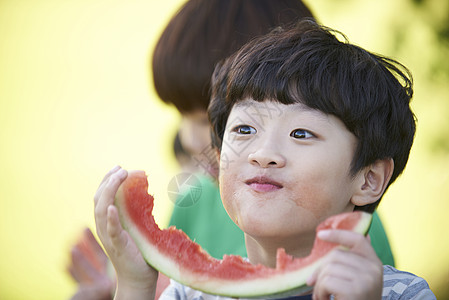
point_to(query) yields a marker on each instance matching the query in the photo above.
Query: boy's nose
(267, 158)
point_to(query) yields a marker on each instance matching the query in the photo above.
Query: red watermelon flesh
(172, 252)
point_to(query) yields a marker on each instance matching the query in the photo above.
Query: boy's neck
(263, 250)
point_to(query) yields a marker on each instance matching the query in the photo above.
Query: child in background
(335, 133)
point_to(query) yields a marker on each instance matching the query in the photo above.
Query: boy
(305, 127)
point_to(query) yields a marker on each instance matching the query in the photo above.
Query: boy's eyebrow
(245, 103)
(262, 105)
(249, 102)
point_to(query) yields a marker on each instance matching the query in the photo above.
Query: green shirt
(207, 223)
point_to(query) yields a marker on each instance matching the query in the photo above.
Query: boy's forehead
(273, 106)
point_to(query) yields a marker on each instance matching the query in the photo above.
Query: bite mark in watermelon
(173, 253)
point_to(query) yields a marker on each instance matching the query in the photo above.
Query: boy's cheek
(227, 190)
(230, 159)
(312, 201)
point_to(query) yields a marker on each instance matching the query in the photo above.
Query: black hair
(308, 64)
(202, 33)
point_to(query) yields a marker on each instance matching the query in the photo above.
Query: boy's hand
(355, 273)
(135, 278)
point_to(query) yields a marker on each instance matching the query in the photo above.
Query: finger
(115, 230)
(341, 258)
(107, 198)
(109, 173)
(89, 253)
(312, 279)
(349, 239)
(112, 184)
(359, 273)
(336, 263)
(328, 286)
(93, 292)
(81, 269)
(75, 275)
(104, 181)
(73, 268)
(342, 264)
(333, 275)
(96, 250)
(346, 282)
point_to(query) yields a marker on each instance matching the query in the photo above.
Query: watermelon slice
(172, 252)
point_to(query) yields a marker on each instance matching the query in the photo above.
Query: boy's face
(285, 168)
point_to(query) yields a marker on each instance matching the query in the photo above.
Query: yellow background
(76, 99)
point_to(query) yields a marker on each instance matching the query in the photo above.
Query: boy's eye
(301, 134)
(244, 129)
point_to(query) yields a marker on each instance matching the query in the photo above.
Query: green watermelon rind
(282, 284)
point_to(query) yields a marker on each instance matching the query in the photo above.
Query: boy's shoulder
(404, 285)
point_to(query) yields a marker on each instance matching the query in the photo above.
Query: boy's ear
(373, 182)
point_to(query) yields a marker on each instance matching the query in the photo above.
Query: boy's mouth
(263, 184)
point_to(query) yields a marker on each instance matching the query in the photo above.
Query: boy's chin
(277, 228)
(275, 216)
